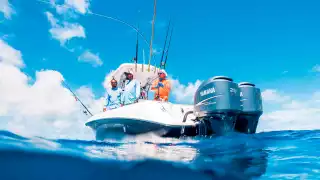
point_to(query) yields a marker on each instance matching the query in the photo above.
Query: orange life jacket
(161, 92)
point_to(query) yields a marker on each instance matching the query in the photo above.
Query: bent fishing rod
(76, 97)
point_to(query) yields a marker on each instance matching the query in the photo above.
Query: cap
(130, 71)
(113, 80)
(162, 71)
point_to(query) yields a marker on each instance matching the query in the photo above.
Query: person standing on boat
(161, 87)
(113, 96)
(131, 90)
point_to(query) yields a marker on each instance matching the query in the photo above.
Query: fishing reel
(157, 97)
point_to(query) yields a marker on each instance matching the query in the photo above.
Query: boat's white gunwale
(137, 119)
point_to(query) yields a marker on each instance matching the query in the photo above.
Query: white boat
(220, 106)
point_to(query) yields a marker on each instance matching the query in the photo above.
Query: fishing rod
(137, 50)
(116, 19)
(164, 47)
(76, 97)
(121, 21)
(165, 62)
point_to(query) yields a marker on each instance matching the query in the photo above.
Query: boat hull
(108, 127)
(163, 119)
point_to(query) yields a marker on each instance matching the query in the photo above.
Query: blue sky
(274, 44)
(253, 41)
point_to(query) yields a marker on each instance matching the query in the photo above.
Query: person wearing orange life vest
(161, 87)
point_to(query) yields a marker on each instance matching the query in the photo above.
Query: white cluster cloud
(64, 31)
(41, 106)
(89, 57)
(6, 8)
(272, 95)
(77, 6)
(293, 114)
(11, 56)
(81, 6)
(184, 93)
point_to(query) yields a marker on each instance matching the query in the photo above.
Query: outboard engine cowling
(251, 108)
(217, 105)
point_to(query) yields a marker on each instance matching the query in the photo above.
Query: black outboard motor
(251, 106)
(217, 105)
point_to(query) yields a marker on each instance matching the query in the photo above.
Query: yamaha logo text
(207, 91)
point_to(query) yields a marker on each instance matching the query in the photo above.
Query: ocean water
(269, 155)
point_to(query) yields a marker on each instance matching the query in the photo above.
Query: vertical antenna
(144, 58)
(154, 17)
(142, 65)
